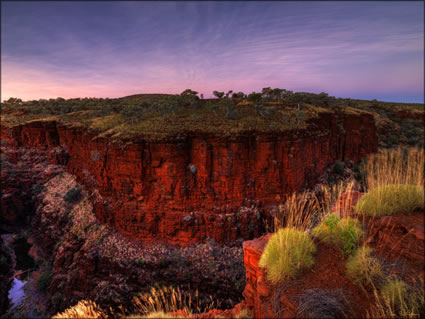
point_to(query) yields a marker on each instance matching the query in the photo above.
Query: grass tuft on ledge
(287, 252)
(391, 199)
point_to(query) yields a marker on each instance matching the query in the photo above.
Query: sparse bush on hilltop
(286, 253)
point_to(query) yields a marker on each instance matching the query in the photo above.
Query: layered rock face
(187, 189)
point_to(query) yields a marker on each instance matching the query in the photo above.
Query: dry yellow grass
(168, 299)
(396, 299)
(83, 309)
(403, 166)
(395, 182)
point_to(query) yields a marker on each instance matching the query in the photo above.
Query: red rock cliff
(188, 189)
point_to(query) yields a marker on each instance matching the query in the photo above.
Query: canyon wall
(398, 240)
(187, 189)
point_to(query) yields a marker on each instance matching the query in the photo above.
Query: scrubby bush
(391, 199)
(135, 113)
(345, 233)
(363, 268)
(43, 280)
(37, 189)
(73, 195)
(4, 265)
(287, 252)
(339, 168)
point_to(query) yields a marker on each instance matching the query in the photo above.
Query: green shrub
(73, 195)
(43, 280)
(391, 199)
(4, 265)
(339, 168)
(345, 233)
(37, 189)
(362, 267)
(288, 251)
(38, 262)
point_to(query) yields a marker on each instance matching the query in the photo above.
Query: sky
(365, 50)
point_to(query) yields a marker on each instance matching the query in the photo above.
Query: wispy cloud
(114, 49)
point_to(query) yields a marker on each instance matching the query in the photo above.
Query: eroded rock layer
(187, 189)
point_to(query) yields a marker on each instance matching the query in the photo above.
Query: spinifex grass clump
(345, 233)
(391, 199)
(395, 180)
(397, 299)
(362, 268)
(83, 309)
(155, 315)
(287, 252)
(169, 299)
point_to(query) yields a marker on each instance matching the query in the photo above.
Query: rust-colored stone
(168, 190)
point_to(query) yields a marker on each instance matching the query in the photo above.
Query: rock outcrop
(399, 239)
(399, 236)
(188, 189)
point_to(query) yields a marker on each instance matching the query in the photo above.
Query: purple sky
(361, 50)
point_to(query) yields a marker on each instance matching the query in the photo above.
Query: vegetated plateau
(156, 205)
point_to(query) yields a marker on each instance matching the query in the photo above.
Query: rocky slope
(188, 189)
(85, 259)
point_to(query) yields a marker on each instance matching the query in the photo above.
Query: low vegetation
(345, 233)
(402, 165)
(168, 299)
(298, 211)
(391, 199)
(287, 252)
(395, 182)
(397, 299)
(83, 309)
(160, 116)
(362, 268)
(43, 280)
